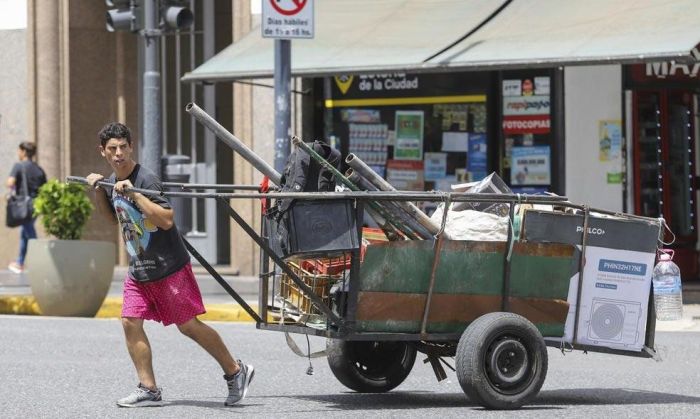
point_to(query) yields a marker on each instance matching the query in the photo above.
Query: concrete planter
(70, 277)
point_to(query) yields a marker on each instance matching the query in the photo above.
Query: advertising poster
(542, 86)
(610, 140)
(455, 141)
(526, 106)
(526, 115)
(365, 116)
(610, 148)
(512, 88)
(530, 166)
(405, 175)
(409, 135)
(435, 166)
(476, 156)
(478, 117)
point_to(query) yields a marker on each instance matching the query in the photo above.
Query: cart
(493, 306)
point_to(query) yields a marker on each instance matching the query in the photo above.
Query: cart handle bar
(185, 186)
(360, 195)
(379, 196)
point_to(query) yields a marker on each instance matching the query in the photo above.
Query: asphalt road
(70, 368)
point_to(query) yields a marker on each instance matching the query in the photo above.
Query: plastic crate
(319, 284)
(332, 266)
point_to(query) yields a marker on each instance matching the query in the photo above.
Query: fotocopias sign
(287, 19)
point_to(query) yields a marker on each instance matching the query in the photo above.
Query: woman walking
(25, 170)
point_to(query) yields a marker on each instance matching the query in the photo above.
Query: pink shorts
(173, 299)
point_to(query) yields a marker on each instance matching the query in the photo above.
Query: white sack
(473, 225)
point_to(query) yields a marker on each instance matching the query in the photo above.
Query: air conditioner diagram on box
(614, 321)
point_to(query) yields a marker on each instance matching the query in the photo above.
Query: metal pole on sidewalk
(283, 77)
(150, 146)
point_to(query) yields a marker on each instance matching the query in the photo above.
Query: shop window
(420, 132)
(526, 150)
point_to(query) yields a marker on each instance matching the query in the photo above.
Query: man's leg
(139, 350)
(210, 340)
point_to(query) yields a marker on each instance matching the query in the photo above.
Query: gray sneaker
(142, 397)
(238, 385)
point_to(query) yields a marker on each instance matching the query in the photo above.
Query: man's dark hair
(114, 130)
(29, 148)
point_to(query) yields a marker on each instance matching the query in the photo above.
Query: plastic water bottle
(668, 298)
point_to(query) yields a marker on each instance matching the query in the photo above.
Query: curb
(112, 306)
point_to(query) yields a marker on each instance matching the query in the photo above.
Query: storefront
(664, 129)
(430, 131)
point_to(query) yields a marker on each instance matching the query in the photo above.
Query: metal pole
(178, 93)
(384, 196)
(283, 77)
(151, 145)
(370, 175)
(230, 140)
(164, 86)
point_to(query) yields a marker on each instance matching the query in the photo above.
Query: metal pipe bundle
(370, 175)
(391, 207)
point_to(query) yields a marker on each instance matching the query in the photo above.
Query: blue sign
(621, 267)
(476, 156)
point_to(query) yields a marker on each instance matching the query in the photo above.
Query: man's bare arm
(101, 199)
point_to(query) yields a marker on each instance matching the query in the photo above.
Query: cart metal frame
(341, 326)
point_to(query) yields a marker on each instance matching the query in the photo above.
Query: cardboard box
(619, 261)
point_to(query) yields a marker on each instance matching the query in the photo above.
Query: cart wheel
(370, 367)
(501, 361)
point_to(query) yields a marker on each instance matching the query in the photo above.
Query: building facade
(584, 131)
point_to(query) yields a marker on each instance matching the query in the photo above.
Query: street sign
(287, 19)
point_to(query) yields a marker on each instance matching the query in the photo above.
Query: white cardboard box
(619, 261)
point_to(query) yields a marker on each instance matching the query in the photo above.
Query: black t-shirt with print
(153, 253)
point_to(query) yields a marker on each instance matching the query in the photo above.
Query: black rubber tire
(501, 361)
(370, 367)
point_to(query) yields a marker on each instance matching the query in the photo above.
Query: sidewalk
(16, 295)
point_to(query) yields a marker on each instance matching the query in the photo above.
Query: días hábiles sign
(287, 19)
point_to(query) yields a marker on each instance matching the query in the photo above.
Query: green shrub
(64, 209)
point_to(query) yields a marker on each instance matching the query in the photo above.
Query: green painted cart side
(395, 278)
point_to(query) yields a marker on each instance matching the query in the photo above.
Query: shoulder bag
(20, 207)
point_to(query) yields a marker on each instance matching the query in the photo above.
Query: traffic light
(175, 14)
(127, 15)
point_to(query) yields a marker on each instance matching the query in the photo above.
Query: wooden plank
(387, 306)
(553, 330)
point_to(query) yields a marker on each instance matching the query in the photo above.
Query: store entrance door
(664, 167)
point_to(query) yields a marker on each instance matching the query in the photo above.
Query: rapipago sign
(287, 19)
